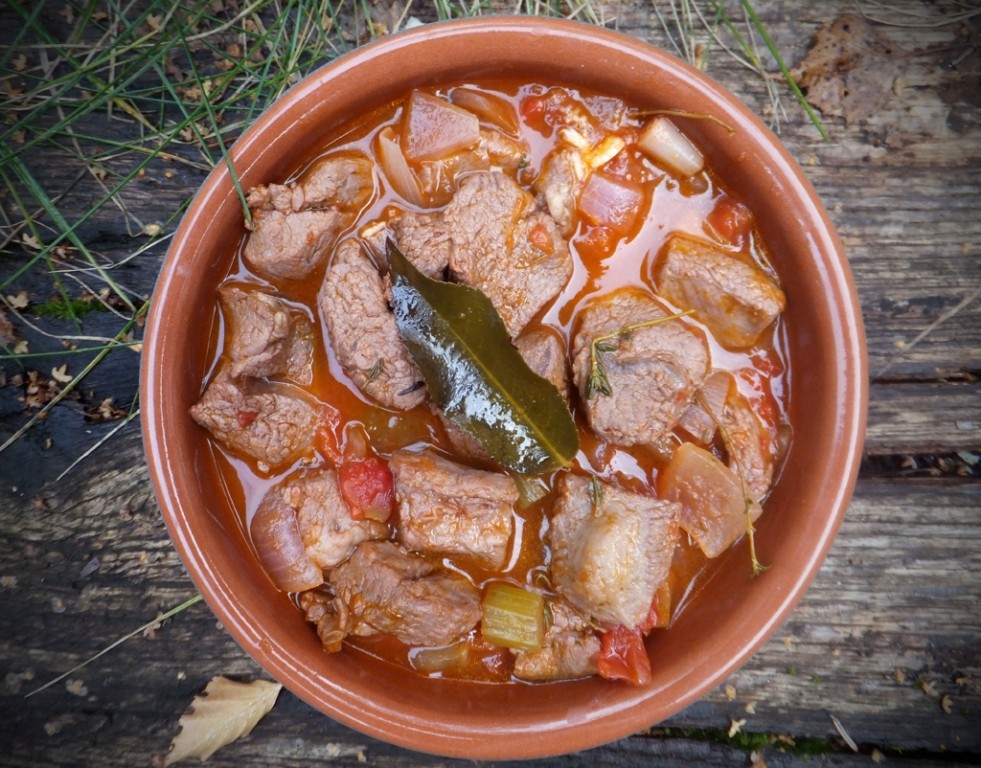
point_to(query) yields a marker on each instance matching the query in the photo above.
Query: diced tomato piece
(245, 418)
(623, 656)
(557, 108)
(540, 238)
(763, 402)
(730, 220)
(328, 437)
(596, 243)
(368, 488)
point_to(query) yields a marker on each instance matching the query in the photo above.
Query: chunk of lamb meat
(497, 240)
(652, 371)
(363, 333)
(303, 527)
(749, 447)
(295, 225)
(272, 423)
(571, 648)
(267, 337)
(736, 300)
(383, 589)
(544, 351)
(447, 508)
(611, 548)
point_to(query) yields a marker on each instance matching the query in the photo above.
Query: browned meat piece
(295, 225)
(447, 508)
(736, 300)
(610, 548)
(653, 371)
(329, 614)
(328, 532)
(506, 247)
(428, 247)
(266, 337)
(272, 423)
(748, 445)
(384, 589)
(570, 650)
(544, 351)
(559, 183)
(503, 152)
(495, 239)
(363, 333)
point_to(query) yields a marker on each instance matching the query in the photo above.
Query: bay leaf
(474, 374)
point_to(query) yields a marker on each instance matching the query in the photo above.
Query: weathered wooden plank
(924, 417)
(898, 592)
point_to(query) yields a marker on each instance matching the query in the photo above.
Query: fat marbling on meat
(736, 300)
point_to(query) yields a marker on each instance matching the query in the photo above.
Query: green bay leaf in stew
(476, 377)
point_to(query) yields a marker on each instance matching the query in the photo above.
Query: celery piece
(440, 659)
(513, 617)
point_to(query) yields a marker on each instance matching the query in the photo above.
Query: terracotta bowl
(731, 617)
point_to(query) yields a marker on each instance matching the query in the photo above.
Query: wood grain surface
(887, 642)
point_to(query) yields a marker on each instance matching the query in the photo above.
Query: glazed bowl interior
(731, 615)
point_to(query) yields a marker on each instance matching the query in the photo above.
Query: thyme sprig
(597, 380)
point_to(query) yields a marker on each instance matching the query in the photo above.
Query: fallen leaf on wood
(851, 70)
(61, 374)
(225, 712)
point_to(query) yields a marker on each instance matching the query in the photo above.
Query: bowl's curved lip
(638, 711)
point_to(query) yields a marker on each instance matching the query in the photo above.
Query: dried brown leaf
(20, 301)
(227, 711)
(850, 70)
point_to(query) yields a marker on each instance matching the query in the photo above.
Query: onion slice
(662, 141)
(276, 536)
(433, 128)
(489, 108)
(611, 202)
(396, 168)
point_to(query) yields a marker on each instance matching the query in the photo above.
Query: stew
(497, 375)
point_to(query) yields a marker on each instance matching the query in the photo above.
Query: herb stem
(597, 380)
